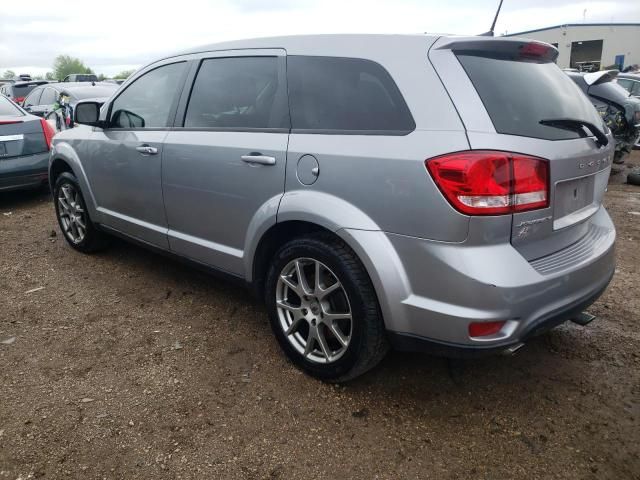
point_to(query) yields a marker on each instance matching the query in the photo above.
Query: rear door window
(238, 93)
(48, 97)
(519, 93)
(345, 95)
(624, 83)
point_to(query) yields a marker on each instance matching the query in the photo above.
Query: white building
(591, 45)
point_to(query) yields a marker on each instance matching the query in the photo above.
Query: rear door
(224, 162)
(512, 97)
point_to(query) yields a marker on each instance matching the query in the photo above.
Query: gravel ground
(129, 365)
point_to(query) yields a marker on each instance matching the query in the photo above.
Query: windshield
(518, 94)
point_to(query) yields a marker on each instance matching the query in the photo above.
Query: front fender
(65, 152)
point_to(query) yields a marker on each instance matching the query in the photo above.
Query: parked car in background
(620, 110)
(25, 141)
(630, 82)
(81, 77)
(45, 99)
(297, 165)
(18, 90)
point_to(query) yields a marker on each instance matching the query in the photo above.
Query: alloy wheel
(314, 310)
(72, 214)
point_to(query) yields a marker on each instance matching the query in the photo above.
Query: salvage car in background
(630, 82)
(44, 99)
(618, 108)
(81, 77)
(18, 91)
(25, 141)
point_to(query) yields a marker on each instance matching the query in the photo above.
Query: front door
(225, 164)
(124, 160)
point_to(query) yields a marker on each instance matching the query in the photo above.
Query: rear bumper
(430, 292)
(24, 172)
(415, 343)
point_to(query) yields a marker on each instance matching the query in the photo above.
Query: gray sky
(113, 35)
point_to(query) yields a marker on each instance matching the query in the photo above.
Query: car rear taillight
(19, 100)
(534, 50)
(48, 132)
(484, 329)
(485, 182)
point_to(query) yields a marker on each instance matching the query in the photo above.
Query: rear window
(610, 91)
(345, 95)
(519, 94)
(23, 90)
(8, 108)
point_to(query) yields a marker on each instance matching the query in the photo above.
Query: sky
(115, 35)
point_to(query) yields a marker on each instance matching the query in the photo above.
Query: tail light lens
(480, 182)
(19, 100)
(484, 329)
(48, 132)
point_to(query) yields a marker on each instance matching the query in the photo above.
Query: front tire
(73, 218)
(323, 309)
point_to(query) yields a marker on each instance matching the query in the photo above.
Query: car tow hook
(583, 319)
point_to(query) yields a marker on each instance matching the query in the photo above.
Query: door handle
(147, 150)
(258, 159)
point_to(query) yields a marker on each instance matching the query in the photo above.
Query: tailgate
(512, 97)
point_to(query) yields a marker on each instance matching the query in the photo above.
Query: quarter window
(345, 94)
(148, 101)
(238, 93)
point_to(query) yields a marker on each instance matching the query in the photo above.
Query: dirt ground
(130, 365)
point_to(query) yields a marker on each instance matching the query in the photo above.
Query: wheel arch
(297, 212)
(64, 159)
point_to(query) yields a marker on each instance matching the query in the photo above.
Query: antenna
(493, 25)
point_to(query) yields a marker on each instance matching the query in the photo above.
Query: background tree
(49, 76)
(8, 74)
(102, 77)
(124, 74)
(65, 65)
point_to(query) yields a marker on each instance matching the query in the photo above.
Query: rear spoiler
(31, 83)
(511, 46)
(596, 78)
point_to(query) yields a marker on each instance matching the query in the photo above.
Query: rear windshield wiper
(577, 126)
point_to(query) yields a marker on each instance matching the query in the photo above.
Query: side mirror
(88, 113)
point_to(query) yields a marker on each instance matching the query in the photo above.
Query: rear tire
(633, 177)
(73, 217)
(334, 336)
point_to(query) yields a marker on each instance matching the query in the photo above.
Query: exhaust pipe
(510, 351)
(583, 319)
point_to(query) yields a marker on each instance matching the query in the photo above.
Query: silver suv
(420, 192)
